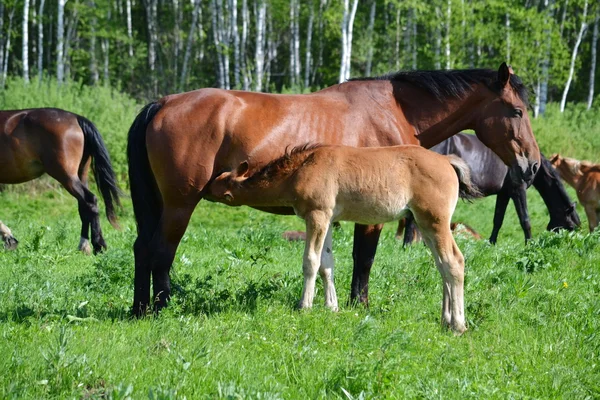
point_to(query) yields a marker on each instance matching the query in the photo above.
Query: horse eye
(518, 113)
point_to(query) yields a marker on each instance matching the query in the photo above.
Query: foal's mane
(455, 83)
(283, 166)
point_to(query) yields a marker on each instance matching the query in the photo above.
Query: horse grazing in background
(491, 176)
(584, 177)
(366, 186)
(63, 145)
(177, 145)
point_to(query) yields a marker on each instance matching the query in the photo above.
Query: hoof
(10, 243)
(84, 246)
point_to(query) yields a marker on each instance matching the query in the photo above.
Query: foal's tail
(466, 189)
(147, 203)
(101, 167)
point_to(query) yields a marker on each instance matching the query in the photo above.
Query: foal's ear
(554, 157)
(504, 73)
(242, 169)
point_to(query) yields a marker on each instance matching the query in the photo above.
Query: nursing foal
(373, 185)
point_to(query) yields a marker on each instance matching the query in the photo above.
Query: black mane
(452, 83)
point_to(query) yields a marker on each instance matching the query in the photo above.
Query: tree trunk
(40, 55)
(71, 30)
(260, 8)
(2, 36)
(188, 46)
(25, 41)
(151, 16)
(347, 28)
(507, 25)
(129, 29)
(582, 29)
(545, 63)
(60, 42)
(243, 60)
(593, 58)
(448, 19)
(564, 17)
(93, 63)
(438, 40)
(294, 43)
(308, 56)
(370, 40)
(7, 47)
(236, 44)
(105, 52)
(319, 62)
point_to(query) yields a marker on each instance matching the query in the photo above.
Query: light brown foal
(10, 243)
(584, 177)
(324, 184)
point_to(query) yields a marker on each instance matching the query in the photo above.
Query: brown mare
(63, 145)
(584, 177)
(367, 186)
(177, 145)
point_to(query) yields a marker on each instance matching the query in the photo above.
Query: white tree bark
(60, 41)
(247, 77)
(545, 62)
(1, 36)
(236, 43)
(260, 8)
(151, 17)
(347, 28)
(188, 46)
(448, 20)
(40, 45)
(593, 58)
(294, 44)
(7, 47)
(582, 30)
(308, 55)
(370, 30)
(25, 41)
(129, 28)
(105, 52)
(507, 25)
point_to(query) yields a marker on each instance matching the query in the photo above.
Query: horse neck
(568, 176)
(436, 120)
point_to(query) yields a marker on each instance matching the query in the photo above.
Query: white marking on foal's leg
(10, 242)
(326, 272)
(84, 246)
(317, 223)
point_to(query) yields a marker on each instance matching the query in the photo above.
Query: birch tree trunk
(129, 29)
(308, 56)
(71, 30)
(93, 63)
(60, 42)
(236, 44)
(243, 61)
(40, 55)
(582, 29)
(105, 52)
(507, 25)
(545, 63)
(347, 28)
(188, 46)
(294, 44)
(7, 47)
(151, 16)
(25, 41)
(1, 37)
(370, 30)
(448, 20)
(593, 58)
(260, 8)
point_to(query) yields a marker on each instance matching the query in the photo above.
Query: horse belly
(369, 210)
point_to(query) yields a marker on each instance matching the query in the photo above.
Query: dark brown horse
(492, 177)
(63, 145)
(177, 145)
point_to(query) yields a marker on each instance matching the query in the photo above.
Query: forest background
(149, 48)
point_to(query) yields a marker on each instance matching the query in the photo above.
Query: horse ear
(242, 169)
(504, 73)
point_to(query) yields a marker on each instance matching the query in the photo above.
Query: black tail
(147, 204)
(101, 167)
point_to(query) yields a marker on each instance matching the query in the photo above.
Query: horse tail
(101, 168)
(147, 203)
(466, 188)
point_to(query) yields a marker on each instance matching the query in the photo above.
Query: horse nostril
(534, 168)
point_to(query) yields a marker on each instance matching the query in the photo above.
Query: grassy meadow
(232, 330)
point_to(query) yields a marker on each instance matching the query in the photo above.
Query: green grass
(232, 331)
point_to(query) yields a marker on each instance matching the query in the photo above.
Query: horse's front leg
(366, 238)
(317, 224)
(519, 198)
(10, 242)
(326, 271)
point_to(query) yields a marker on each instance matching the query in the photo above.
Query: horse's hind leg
(366, 238)
(451, 265)
(162, 248)
(326, 271)
(10, 242)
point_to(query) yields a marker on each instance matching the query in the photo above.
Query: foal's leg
(366, 238)
(10, 243)
(326, 271)
(591, 213)
(451, 264)
(317, 224)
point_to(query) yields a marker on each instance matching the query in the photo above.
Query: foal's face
(503, 125)
(224, 186)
